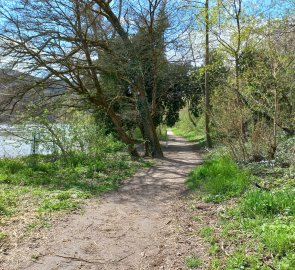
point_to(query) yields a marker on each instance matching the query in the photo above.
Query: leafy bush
(220, 178)
(267, 204)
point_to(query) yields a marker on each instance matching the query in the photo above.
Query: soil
(146, 224)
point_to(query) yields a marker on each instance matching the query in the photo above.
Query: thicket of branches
(135, 64)
(110, 56)
(251, 75)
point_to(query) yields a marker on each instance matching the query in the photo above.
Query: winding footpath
(141, 226)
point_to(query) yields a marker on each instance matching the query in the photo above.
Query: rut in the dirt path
(134, 228)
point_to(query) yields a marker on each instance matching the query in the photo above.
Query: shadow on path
(123, 230)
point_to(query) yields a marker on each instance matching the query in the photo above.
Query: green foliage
(217, 73)
(9, 198)
(192, 262)
(278, 236)
(61, 201)
(268, 218)
(268, 204)
(206, 232)
(220, 178)
(286, 263)
(240, 260)
(265, 219)
(92, 172)
(189, 127)
(90, 163)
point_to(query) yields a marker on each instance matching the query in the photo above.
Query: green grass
(268, 204)
(38, 185)
(192, 262)
(189, 135)
(207, 232)
(185, 128)
(10, 197)
(239, 259)
(278, 236)
(259, 227)
(65, 181)
(270, 216)
(219, 178)
(92, 173)
(267, 220)
(2, 236)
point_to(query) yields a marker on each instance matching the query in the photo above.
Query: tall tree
(207, 90)
(67, 39)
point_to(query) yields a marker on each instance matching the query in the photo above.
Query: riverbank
(140, 226)
(37, 188)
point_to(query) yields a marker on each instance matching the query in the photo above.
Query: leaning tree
(67, 40)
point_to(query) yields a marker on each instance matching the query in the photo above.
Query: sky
(281, 6)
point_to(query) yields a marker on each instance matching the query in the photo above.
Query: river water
(16, 141)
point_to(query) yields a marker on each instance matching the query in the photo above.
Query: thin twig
(77, 259)
(123, 258)
(270, 266)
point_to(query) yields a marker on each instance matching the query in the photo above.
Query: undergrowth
(257, 229)
(219, 178)
(43, 184)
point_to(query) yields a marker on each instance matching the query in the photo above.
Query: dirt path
(142, 226)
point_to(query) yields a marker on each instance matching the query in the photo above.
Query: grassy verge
(189, 135)
(32, 188)
(188, 130)
(219, 178)
(256, 223)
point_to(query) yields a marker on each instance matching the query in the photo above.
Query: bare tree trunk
(121, 132)
(191, 119)
(273, 146)
(207, 90)
(146, 144)
(148, 124)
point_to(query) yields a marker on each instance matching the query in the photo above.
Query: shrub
(220, 177)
